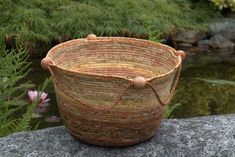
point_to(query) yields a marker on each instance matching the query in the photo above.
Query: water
(38, 76)
(197, 98)
(201, 98)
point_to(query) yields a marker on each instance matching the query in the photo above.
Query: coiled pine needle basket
(112, 91)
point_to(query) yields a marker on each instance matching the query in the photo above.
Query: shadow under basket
(112, 91)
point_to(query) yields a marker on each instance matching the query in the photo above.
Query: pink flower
(42, 97)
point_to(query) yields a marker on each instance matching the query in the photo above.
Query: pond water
(199, 98)
(196, 98)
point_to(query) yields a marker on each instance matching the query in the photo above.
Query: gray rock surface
(231, 15)
(204, 44)
(184, 45)
(220, 42)
(189, 36)
(217, 42)
(195, 137)
(224, 27)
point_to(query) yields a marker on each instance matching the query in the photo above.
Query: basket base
(110, 142)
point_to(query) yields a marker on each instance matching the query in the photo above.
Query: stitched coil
(112, 91)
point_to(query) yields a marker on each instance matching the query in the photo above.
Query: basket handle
(182, 54)
(138, 82)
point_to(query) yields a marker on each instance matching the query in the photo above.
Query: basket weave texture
(112, 91)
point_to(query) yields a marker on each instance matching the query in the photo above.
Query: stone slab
(194, 137)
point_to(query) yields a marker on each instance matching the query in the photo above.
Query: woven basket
(112, 91)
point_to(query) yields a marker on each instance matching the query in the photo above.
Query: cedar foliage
(33, 21)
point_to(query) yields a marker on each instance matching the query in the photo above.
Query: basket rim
(85, 40)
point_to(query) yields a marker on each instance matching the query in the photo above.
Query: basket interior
(115, 57)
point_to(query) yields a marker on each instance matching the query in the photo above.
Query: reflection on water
(201, 98)
(197, 98)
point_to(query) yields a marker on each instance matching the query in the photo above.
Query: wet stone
(217, 42)
(189, 36)
(201, 136)
(224, 27)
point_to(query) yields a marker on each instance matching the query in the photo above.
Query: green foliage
(27, 24)
(24, 121)
(222, 4)
(13, 68)
(152, 32)
(170, 109)
(33, 21)
(75, 20)
(217, 81)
